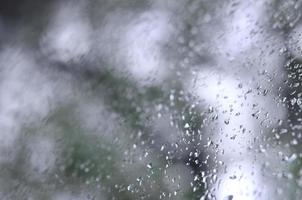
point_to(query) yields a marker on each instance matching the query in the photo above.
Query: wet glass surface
(150, 99)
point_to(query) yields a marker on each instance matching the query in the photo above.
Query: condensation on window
(150, 99)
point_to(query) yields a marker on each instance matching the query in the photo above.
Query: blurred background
(150, 99)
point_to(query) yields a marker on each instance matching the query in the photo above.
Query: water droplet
(187, 125)
(229, 197)
(149, 166)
